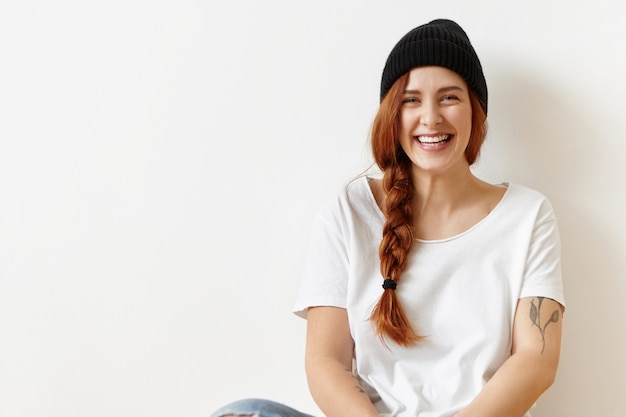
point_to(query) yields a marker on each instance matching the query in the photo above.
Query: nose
(431, 114)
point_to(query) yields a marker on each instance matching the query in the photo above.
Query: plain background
(161, 163)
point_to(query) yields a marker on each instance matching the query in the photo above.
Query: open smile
(433, 141)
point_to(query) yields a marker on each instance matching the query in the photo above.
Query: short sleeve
(542, 277)
(325, 275)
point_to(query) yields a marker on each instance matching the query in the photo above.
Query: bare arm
(531, 369)
(328, 361)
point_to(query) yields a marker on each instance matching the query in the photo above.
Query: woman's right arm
(328, 362)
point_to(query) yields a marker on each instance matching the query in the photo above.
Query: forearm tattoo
(357, 386)
(535, 318)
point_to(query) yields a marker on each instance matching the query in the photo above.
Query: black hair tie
(389, 283)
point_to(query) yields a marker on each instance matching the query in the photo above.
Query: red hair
(388, 315)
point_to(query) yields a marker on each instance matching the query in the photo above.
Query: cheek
(463, 123)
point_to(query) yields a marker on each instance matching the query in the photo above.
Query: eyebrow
(441, 90)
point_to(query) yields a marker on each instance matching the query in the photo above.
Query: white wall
(161, 161)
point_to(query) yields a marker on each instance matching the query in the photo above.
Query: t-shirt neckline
(381, 215)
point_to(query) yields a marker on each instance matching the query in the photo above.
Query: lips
(433, 140)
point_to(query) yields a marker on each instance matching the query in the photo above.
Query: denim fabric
(258, 408)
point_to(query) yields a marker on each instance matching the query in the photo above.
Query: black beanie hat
(442, 43)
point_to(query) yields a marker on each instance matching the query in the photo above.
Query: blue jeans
(258, 408)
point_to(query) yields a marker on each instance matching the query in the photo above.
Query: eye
(449, 97)
(410, 100)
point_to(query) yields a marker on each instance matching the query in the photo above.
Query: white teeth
(432, 139)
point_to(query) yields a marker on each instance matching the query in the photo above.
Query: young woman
(468, 319)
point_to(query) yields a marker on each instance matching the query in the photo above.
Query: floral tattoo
(535, 318)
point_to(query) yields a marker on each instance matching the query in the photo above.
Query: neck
(443, 193)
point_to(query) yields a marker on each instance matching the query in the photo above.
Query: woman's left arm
(531, 369)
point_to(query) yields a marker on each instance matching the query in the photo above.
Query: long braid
(397, 239)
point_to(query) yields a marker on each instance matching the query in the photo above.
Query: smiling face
(435, 120)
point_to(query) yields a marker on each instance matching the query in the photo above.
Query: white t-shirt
(461, 293)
